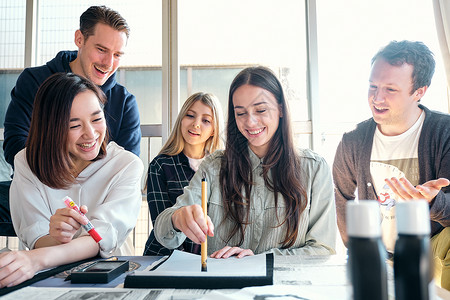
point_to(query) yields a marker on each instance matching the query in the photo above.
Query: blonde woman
(196, 133)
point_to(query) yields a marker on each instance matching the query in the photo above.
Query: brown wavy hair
(47, 150)
(281, 160)
(104, 15)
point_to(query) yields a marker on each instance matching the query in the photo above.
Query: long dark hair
(281, 159)
(47, 150)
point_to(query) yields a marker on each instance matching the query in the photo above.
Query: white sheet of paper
(187, 264)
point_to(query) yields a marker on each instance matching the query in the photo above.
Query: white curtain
(442, 18)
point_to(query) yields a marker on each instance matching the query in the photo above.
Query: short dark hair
(47, 150)
(105, 15)
(412, 53)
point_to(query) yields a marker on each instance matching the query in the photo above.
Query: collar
(254, 159)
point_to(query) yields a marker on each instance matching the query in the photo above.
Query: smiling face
(393, 106)
(87, 129)
(99, 55)
(197, 126)
(257, 114)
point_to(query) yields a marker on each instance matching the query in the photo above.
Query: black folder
(172, 280)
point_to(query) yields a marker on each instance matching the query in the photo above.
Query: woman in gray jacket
(264, 195)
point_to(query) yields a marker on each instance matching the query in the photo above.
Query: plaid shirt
(167, 176)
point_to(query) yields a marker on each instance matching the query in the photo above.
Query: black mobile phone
(100, 271)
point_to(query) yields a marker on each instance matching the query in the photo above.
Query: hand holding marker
(88, 227)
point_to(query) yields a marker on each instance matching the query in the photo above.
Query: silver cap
(413, 217)
(363, 219)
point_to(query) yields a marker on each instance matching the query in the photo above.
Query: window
(217, 39)
(350, 32)
(12, 48)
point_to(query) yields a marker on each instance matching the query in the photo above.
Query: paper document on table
(188, 264)
(183, 270)
(49, 293)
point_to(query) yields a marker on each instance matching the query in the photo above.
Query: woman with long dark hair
(263, 193)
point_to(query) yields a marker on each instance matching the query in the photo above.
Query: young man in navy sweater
(101, 42)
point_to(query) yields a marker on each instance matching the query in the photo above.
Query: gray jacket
(317, 230)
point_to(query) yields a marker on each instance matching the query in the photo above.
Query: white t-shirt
(195, 162)
(394, 156)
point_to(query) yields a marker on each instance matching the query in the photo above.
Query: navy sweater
(121, 110)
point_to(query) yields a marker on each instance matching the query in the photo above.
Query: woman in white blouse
(67, 154)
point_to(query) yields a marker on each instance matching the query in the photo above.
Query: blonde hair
(175, 142)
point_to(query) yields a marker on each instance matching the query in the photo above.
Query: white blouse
(109, 187)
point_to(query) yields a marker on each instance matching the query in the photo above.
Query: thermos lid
(413, 217)
(363, 219)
